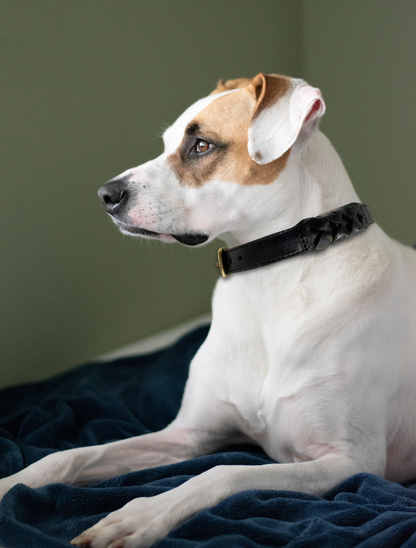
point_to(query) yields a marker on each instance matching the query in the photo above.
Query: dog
(312, 357)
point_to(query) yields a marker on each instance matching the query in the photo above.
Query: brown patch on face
(231, 84)
(225, 124)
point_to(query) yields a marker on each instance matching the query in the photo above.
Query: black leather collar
(313, 234)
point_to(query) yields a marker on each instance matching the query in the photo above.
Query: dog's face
(221, 156)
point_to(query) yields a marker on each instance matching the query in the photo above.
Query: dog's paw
(139, 524)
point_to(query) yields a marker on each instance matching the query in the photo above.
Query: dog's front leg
(143, 521)
(86, 465)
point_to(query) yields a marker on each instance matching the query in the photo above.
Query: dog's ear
(230, 85)
(286, 111)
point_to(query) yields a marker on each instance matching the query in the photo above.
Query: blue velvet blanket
(97, 403)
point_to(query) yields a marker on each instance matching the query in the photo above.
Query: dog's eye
(202, 146)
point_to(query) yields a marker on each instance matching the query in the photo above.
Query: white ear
(286, 111)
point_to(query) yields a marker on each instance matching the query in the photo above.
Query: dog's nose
(113, 195)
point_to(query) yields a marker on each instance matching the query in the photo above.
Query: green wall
(362, 54)
(87, 87)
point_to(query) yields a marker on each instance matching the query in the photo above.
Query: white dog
(313, 357)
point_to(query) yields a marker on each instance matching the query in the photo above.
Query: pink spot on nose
(142, 217)
(135, 215)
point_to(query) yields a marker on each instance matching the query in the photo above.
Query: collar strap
(312, 234)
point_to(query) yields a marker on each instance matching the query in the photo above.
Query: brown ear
(287, 110)
(268, 89)
(229, 85)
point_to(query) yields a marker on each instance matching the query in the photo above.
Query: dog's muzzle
(115, 194)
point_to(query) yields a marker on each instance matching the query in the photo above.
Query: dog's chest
(255, 358)
(270, 409)
(264, 398)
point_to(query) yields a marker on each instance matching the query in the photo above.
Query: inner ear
(315, 111)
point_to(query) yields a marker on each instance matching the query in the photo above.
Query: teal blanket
(102, 402)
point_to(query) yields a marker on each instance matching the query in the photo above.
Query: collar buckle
(220, 264)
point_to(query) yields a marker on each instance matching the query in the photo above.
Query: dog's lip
(139, 230)
(187, 238)
(191, 238)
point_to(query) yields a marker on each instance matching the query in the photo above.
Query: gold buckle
(220, 264)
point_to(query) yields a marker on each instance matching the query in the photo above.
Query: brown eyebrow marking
(225, 121)
(192, 128)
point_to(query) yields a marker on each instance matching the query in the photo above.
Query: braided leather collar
(312, 234)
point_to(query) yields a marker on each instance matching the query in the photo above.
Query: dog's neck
(314, 182)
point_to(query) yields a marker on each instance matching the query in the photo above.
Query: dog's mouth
(191, 239)
(188, 238)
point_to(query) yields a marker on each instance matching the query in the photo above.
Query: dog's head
(222, 157)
